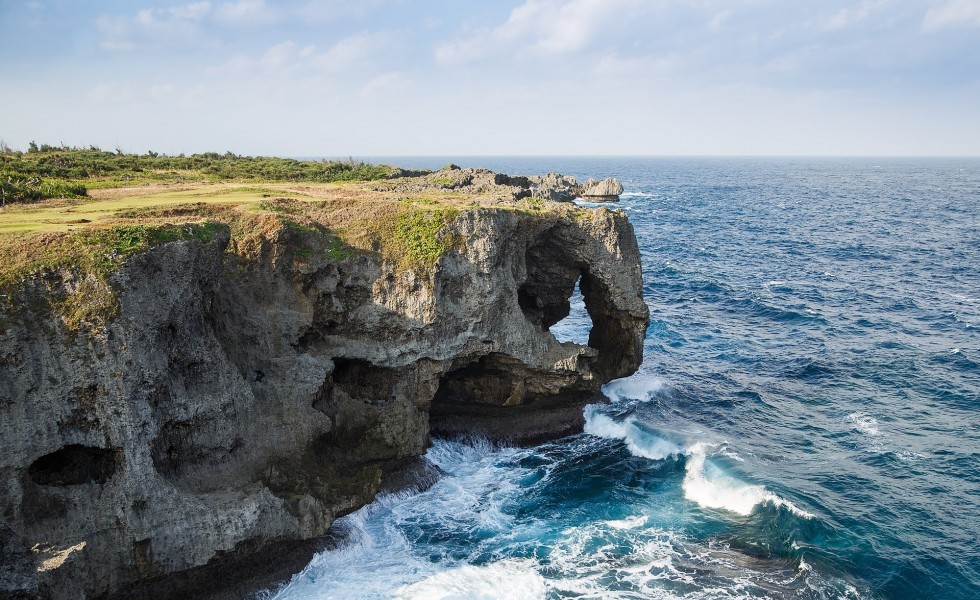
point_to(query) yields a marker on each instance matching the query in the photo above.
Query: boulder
(607, 189)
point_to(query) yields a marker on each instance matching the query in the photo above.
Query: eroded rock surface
(237, 406)
(553, 186)
(607, 189)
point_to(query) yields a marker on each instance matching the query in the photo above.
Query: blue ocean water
(806, 423)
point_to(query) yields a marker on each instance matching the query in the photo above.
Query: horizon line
(383, 155)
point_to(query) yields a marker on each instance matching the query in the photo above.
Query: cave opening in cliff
(553, 294)
(72, 465)
(576, 326)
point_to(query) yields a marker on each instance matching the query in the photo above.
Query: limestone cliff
(236, 405)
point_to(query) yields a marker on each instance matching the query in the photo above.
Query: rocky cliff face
(240, 404)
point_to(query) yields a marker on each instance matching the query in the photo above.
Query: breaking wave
(705, 483)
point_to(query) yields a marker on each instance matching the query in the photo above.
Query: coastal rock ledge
(233, 409)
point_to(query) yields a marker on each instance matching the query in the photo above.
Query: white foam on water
(377, 560)
(638, 387)
(588, 557)
(389, 552)
(504, 580)
(864, 423)
(364, 567)
(729, 453)
(720, 491)
(639, 442)
(628, 523)
(711, 488)
(910, 456)
(877, 441)
(704, 484)
(598, 560)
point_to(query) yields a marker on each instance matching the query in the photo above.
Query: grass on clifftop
(90, 256)
(58, 172)
(85, 238)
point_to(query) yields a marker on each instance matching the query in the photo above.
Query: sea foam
(638, 387)
(710, 487)
(639, 441)
(504, 580)
(704, 483)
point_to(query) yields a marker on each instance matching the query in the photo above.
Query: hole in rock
(555, 294)
(73, 465)
(577, 325)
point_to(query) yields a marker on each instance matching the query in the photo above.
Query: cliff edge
(242, 392)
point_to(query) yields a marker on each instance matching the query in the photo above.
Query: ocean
(806, 422)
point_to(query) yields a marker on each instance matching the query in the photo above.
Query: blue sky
(400, 77)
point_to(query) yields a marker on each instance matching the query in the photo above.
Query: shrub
(14, 188)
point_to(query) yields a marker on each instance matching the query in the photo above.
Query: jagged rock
(469, 181)
(483, 182)
(554, 186)
(607, 189)
(239, 404)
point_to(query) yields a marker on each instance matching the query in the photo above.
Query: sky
(494, 77)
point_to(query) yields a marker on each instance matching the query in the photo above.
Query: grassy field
(105, 207)
(54, 172)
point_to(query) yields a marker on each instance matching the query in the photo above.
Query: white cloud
(246, 12)
(152, 26)
(285, 55)
(349, 54)
(613, 66)
(387, 82)
(355, 51)
(189, 24)
(718, 21)
(327, 11)
(539, 28)
(954, 13)
(846, 17)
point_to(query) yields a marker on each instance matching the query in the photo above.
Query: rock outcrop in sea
(553, 186)
(607, 189)
(242, 401)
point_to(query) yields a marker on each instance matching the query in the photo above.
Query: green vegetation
(338, 250)
(425, 201)
(90, 256)
(417, 233)
(95, 251)
(535, 202)
(15, 188)
(61, 172)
